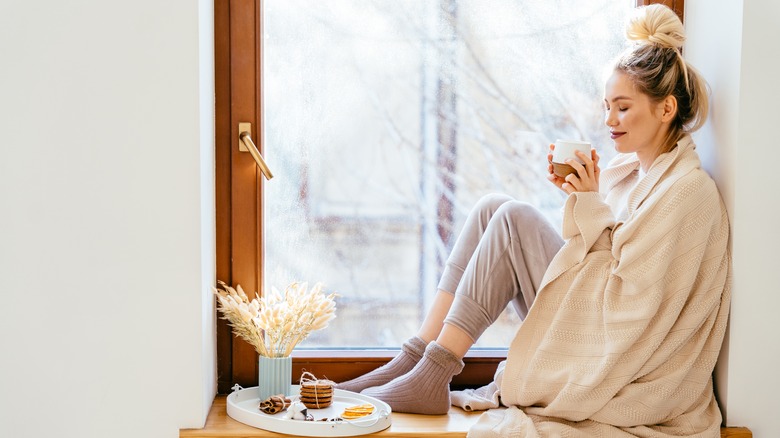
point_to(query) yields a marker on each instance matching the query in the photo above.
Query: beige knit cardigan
(628, 323)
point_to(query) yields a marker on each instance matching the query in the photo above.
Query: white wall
(734, 44)
(106, 217)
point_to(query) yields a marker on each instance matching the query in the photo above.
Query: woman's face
(635, 122)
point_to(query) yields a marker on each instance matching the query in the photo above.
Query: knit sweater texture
(627, 326)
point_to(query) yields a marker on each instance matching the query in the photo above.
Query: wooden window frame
(239, 206)
(678, 6)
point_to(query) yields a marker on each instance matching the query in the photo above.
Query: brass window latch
(245, 144)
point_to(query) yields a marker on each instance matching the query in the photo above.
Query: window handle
(245, 144)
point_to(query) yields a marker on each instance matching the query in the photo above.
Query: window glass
(386, 120)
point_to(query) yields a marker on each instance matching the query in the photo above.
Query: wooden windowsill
(455, 424)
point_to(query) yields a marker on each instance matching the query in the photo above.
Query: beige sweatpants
(500, 257)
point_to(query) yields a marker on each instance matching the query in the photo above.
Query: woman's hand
(585, 178)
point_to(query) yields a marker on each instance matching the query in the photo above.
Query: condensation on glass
(386, 120)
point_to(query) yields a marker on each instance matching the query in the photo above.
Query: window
(384, 121)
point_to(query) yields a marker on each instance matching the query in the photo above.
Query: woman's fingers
(574, 182)
(578, 168)
(587, 172)
(555, 179)
(588, 163)
(551, 176)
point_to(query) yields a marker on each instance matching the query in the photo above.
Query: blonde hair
(657, 68)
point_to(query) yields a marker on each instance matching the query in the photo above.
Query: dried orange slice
(357, 411)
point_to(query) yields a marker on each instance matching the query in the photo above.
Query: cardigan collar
(624, 165)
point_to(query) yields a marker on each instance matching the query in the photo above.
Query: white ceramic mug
(564, 149)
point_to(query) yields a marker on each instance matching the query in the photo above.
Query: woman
(629, 304)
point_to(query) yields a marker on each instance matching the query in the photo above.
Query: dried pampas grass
(276, 323)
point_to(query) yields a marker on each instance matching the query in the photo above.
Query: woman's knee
(489, 204)
(519, 217)
(518, 212)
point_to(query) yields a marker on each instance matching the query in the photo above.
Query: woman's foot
(426, 388)
(411, 352)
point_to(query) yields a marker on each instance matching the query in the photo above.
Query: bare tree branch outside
(386, 120)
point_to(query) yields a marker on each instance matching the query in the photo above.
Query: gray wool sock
(411, 352)
(426, 388)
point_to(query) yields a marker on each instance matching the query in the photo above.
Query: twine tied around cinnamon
(275, 404)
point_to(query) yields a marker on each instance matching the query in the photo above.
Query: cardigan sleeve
(588, 216)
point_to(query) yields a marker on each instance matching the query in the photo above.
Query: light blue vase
(274, 376)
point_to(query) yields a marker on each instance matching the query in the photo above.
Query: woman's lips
(615, 135)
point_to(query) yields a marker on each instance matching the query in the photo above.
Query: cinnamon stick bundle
(274, 404)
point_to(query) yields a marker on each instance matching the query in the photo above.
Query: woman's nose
(610, 119)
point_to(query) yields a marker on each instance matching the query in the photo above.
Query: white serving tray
(243, 406)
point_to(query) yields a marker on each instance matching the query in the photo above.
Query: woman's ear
(669, 106)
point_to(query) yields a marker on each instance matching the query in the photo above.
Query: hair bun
(656, 24)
